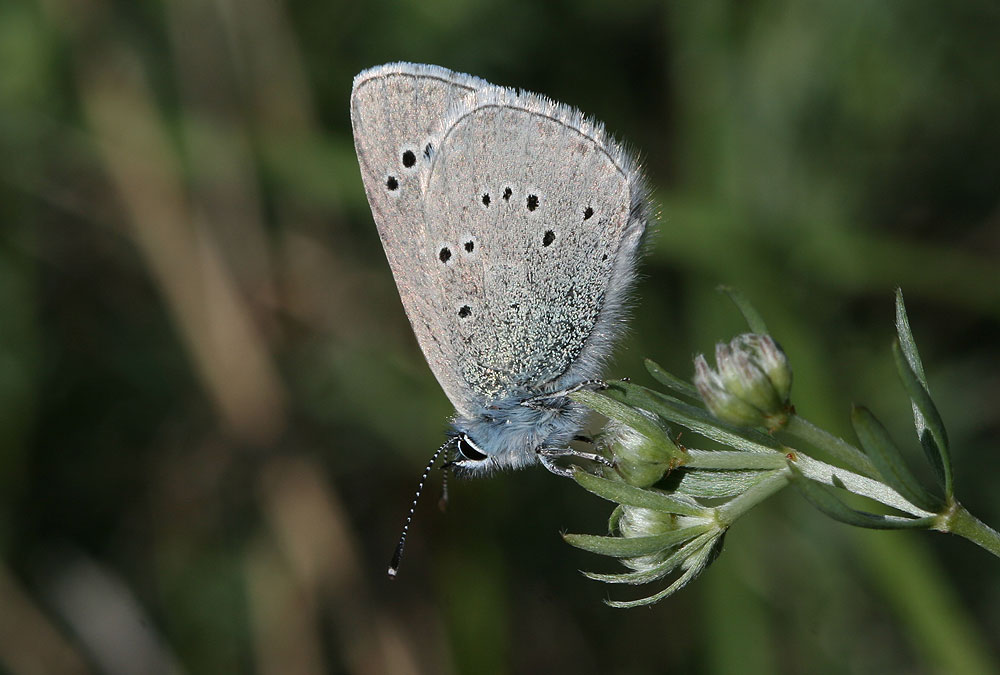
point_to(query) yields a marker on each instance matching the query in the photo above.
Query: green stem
(733, 459)
(958, 520)
(837, 448)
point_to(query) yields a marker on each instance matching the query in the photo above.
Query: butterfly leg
(547, 457)
(550, 464)
(536, 401)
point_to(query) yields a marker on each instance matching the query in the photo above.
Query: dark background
(213, 412)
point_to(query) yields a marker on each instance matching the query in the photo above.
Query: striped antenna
(398, 554)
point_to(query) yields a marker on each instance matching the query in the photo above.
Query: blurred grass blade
(630, 547)
(825, 498)
(616, 410)
(697, 564)
(753, 318)
(623, 493)
(671, 381)
(657, 571)
(930, 427)
(889, 461)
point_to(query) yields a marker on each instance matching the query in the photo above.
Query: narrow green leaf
(616, 410)
(934, 442)
(927, 420)
(696, 565)
(671, 381)
(749, 312)
(630, 547)
(659, 570)
(832, 446)
(696, 419)
(613, 519)
(717, 484)
(889, 460)
(906, 340)
(825, 498)
(623, 493)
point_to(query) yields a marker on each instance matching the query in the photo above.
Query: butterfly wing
(396, 112)
(534, 218)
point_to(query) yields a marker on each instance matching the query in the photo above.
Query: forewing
(396, 110)
(541, 214)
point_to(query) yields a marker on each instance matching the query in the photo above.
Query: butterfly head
(469, 456)
(507, 434)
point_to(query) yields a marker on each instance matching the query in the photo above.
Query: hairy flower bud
(641, 522)
(752, 383)
(638, 459)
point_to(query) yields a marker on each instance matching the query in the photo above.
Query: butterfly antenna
(398, 554)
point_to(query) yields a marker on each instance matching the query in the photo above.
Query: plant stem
(733, 459)
(838, 449)
(958, 520)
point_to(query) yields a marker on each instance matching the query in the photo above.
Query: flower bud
(772, 360)
(724, 404)
(641, 522)
(640, 460)
(636, 521)
(752, 383)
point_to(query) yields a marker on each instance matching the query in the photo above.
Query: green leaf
(927, 419)
(889, 461)
(933, 441)
(657, 571)
(834, 447)
(616, 410)
(671, 381)
(623, 493)
(696, 419)
(631, 547)
(825, 498)
(717, 484)
(613, 519)
(906, 340)
(696, 565)
(749, 312)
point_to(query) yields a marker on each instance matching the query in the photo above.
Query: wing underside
(512, 237)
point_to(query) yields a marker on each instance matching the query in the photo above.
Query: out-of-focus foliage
(213, 412)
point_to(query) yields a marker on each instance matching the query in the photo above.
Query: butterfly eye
(469, 450)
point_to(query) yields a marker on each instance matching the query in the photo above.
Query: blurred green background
(213, 412)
